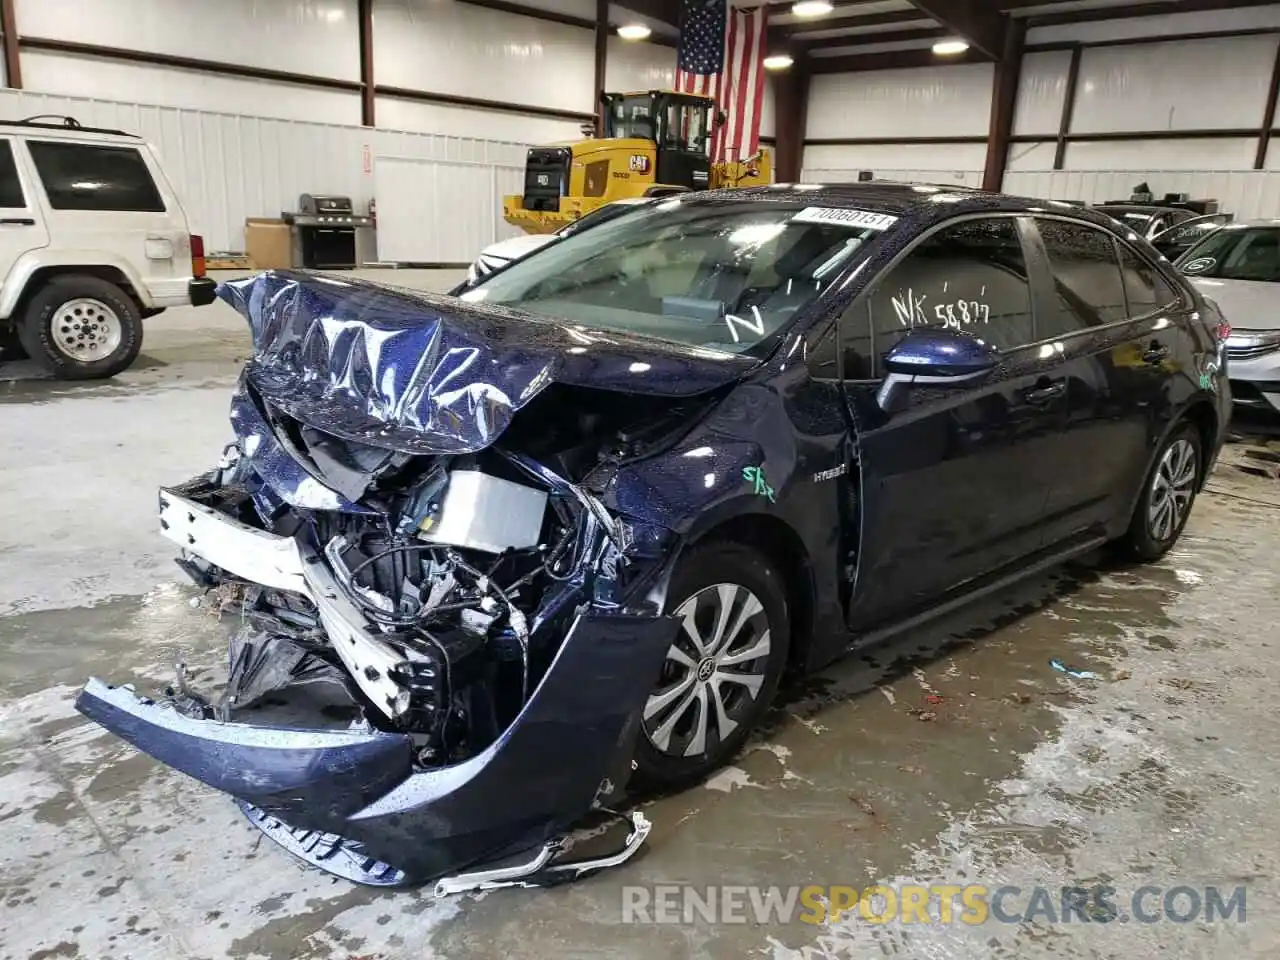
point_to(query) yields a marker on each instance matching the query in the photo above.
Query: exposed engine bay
(465, 570)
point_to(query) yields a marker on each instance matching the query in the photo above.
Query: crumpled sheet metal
(430, 374)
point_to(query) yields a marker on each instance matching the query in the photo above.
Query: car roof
(922, 203)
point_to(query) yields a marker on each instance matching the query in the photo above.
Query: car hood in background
(514, 248)
(429, 374)
(1246, 304)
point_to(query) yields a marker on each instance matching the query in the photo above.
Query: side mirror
(937, 358)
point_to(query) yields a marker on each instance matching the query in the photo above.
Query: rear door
(1107, 314)
(105, 197)
(954, 483)
(22, 226)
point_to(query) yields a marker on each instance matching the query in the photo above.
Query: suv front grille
(546, 178)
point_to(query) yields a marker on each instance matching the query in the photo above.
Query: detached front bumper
(355, 802)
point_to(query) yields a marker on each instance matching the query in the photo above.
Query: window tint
(10, 185)
(1143, 285)
(970, 276)
(78, 176)
(1086, 275)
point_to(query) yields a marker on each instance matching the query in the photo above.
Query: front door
(683, 135)
(22, 226)
(954, 481)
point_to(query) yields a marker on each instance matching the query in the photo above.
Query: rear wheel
(81, 328)
(722, 670)
(1167, 497)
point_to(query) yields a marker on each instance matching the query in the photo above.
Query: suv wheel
(723, 668)
(1167, 497)
(81, 328)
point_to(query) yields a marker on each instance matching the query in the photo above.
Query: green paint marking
(760, 486)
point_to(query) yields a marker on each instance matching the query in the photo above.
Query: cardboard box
(268, 244)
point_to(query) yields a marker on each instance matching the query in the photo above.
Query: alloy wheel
(713, 671)
(1172, 488)
(86, 330)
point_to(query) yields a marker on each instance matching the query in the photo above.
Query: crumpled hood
(430, 374)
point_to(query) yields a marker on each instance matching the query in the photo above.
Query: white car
(1238, 266)
(93, 239)
(498, 255)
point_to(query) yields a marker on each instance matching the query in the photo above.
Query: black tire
(10, 346)
(1149, 536)
(107, 308)
(700, 575)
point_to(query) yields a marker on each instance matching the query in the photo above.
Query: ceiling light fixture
(949, 48)
(778, 61)
(634, 31)
(808, 9)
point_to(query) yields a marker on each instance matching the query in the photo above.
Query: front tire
(81, 328)
(1167, 496)
(723, 669)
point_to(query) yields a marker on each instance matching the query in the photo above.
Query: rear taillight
(1223, 331)
(197, 255)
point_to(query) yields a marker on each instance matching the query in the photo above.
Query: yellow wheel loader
(654, 144)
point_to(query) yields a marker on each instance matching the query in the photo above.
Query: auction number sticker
(849, 218)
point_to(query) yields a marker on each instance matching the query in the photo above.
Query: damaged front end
(447, 635)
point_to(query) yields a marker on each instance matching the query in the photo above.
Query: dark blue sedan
(568, 529)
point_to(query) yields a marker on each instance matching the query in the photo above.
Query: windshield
(687, 126)
(632, 117)
(726, 275)
(1236, 253)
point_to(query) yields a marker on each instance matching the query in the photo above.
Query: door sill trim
(998, 583)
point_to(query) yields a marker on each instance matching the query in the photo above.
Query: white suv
(92, 240)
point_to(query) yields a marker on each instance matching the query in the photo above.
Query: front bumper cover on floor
(361, 794)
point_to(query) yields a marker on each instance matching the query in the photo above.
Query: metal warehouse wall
(226, 167)
(1200, 85)
(247, 146)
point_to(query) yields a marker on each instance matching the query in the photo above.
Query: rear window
(1236, 253)
(80, 176)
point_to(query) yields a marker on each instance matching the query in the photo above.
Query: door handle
(1156, 353)
(17, 222)
(1043, 393)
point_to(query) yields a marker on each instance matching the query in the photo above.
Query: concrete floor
(1158, 772)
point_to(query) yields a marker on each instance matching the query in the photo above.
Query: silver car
(1238, 266)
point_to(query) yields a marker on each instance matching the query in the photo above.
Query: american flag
(721, 56)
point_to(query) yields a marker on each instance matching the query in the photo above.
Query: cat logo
(639, 163)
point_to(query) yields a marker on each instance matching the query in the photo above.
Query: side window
(10, 186)
(1146, 290)
(1086, 276)
(81, 176)
(971, 276)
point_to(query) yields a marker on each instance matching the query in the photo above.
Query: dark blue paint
(941, 353)
(540, 776)
(894, 511)
(429, 374)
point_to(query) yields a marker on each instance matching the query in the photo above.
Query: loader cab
(678, 124)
